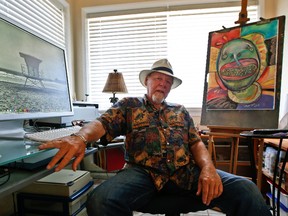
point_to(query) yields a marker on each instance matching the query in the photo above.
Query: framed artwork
(243, 73)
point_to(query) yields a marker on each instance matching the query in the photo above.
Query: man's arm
(73, 146)
(209, 183)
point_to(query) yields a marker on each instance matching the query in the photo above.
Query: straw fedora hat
(161, 66)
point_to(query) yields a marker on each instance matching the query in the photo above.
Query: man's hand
(209, 184)
(69, 147)
(73, 146)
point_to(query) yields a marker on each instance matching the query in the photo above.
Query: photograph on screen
(33, 73)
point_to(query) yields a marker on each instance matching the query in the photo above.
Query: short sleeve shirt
(157, 139)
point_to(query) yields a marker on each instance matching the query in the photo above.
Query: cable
(4, 173)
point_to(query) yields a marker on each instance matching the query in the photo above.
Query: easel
(243, 14)
(229, 132)
(226, 132)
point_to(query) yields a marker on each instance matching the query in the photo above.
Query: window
(131, 41)
(44, 18)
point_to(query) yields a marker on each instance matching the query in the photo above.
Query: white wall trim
(150, 4)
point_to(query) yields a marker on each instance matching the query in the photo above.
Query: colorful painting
(242, 67)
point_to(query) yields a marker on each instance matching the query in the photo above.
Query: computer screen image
(34, 80)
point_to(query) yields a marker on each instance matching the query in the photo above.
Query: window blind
(43, 17)
(132, 42)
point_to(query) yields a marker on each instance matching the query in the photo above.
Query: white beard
(158, 97)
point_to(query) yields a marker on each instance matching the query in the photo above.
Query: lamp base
(113, 99)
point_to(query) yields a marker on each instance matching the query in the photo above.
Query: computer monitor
(33, 79)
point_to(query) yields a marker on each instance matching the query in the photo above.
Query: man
(164, 154)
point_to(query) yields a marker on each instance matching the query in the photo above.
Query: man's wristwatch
(81, 137)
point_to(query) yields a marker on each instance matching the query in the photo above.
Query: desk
(281, 145)
(20, 178)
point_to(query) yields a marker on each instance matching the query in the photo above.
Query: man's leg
(119, 195)
(240, 197)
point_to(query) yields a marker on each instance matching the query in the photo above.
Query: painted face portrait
(238, 64)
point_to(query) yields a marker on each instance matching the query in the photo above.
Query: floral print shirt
(158, 140)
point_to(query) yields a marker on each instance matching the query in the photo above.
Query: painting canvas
(242, 67)
(243, 73)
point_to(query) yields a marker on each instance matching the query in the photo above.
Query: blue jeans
(132, 188)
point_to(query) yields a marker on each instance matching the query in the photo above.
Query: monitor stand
(12, 129)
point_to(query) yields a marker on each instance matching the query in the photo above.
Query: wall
(281, 8)
(271, 9)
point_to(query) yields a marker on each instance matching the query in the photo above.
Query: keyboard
(48, 135)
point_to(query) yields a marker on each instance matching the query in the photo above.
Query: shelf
(270, 176)
(275, 143)
(21, 178)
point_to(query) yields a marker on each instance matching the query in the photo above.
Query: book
(63, 183)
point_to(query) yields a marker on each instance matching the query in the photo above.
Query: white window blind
(132, 42)
(43, 17)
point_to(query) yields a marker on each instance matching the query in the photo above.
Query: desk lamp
(115, 84)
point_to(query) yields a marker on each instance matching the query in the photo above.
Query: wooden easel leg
(259, 163)
(231, 156)
(211, 149)
(235, 156)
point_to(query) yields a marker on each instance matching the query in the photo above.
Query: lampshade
(115, 83)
